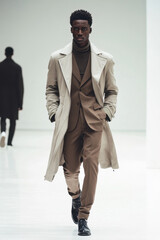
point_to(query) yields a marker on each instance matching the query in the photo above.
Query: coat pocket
(99, 111)
(101, 114)
(58, 112)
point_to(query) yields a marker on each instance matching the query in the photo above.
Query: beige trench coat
(58, 102)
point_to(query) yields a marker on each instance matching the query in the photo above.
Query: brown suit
(83, 138)
(82, 95)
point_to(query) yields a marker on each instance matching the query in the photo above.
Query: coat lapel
(66, 64)
(97, 65)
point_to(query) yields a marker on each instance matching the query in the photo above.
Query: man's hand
(52, 118)
(107, 118)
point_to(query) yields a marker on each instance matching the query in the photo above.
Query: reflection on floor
(126, 203)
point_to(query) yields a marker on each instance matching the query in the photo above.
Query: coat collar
(68, 49)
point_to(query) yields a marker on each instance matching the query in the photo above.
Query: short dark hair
(9, 51)
(81, 15)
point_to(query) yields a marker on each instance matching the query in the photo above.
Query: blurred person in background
(11, 95)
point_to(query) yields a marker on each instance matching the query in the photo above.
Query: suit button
(79, 104)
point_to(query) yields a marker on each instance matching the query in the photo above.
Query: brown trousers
(82, 144)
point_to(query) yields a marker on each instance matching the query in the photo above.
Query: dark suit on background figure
(11, 95)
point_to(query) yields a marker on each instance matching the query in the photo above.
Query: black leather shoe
(76, 203)
(83, 229)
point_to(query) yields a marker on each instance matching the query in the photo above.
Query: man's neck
(81, 49)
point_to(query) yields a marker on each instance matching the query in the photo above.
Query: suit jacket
(58, 98)
(11, 89)
(83, 96)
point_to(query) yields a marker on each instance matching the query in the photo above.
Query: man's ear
(90, 30)
(71, 30)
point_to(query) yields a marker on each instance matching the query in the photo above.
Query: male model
(11, 95)
(81, 98)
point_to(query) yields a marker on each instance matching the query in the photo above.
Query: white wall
(153, 83)
(35, 28)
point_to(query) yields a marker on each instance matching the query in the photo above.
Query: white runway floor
(127, 204)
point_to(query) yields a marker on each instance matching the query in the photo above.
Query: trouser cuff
(83, 215)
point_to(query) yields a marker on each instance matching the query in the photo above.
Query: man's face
(81, 30)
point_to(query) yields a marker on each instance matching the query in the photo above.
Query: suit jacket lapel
(87, 73)
(75, 69)
(76, 72)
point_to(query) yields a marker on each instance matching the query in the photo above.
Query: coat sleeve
(20, 92)
(52, 92)
(110, 91)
